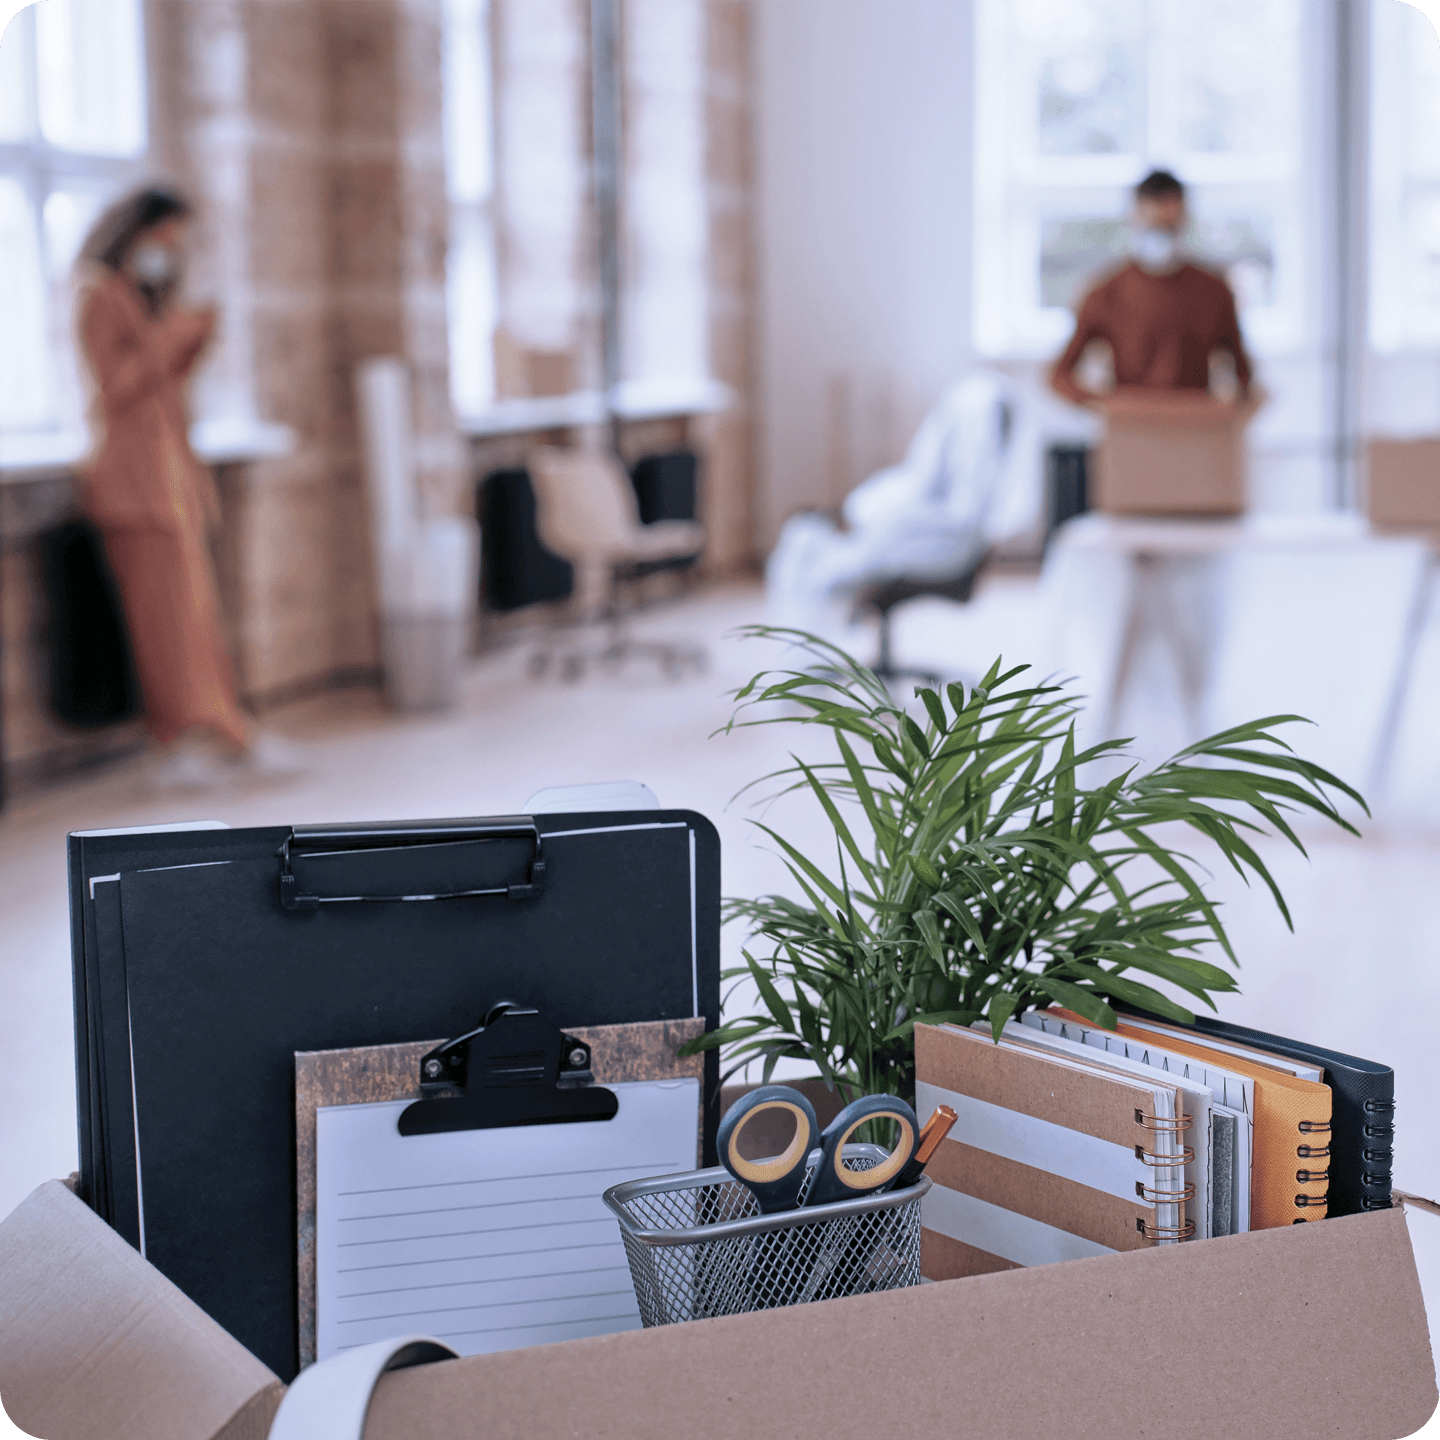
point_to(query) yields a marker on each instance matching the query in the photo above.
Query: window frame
(42, 168)
(1017, 189)
(1394, 187)
(472, 212)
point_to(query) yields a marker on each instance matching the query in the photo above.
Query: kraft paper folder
(1315, 1329)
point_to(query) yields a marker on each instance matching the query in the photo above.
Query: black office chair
(92, 666)
(887, 595)
(516, 569)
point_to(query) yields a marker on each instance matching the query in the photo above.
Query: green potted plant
(975, 876)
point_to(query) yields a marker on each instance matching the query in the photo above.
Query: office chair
(966, 464)
(516, 570)
(885, 597)
(587, 513)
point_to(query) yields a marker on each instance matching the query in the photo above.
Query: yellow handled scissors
(777, 1182)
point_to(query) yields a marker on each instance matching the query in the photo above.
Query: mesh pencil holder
(698, 1245)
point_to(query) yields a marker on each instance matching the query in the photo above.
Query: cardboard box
(1171, 452)
(1306, 1331)
(1405, 483)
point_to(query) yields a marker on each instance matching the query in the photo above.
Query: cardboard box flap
(95, 1342)
(1312, 1330)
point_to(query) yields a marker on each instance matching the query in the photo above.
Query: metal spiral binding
(1311, 1177)
(1304, 1202)
(1312, 1152)
(1165, 1232)
(1315, 1127)
(1163, 1124)
(1165, 1162)
(1165, 1197)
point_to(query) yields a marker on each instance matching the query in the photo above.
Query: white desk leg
(1404, 669)
(1144, 578)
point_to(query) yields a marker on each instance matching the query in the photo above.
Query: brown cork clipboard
(382, 1073)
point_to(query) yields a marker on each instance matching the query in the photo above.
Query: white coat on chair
(924, 519)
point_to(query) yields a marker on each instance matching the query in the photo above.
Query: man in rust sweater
(1161, 316)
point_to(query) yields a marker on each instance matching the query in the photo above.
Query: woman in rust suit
(150, 497)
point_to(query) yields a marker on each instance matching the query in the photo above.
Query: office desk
(1314, 615)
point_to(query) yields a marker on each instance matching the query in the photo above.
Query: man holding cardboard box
(1170, 447)
(1162, 316)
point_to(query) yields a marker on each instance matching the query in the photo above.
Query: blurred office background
(768, 235)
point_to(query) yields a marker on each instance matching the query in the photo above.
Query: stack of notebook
(1075, 1141)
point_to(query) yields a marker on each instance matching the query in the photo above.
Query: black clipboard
(203, 960)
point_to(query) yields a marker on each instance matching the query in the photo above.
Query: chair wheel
(571, 667)
(538, 663)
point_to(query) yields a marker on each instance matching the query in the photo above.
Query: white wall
(863, 158)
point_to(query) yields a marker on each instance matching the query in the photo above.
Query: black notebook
(205, 959)
(1362, 1119)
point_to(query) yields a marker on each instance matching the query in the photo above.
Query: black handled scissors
(777, 1182)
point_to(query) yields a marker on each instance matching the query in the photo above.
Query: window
(1404, 180)
(72, 134)
(1077, 99)
(470, 183)
(665, 308)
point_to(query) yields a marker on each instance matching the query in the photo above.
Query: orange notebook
(1290, 1164)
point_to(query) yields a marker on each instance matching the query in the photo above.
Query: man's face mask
(1155, 249)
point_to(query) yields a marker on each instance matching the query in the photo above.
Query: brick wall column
(545, 244)
(730, 190)
(309, 133)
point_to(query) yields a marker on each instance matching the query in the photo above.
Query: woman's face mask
(1154, 248)
(155, 266)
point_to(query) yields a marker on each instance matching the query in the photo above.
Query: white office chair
(586, 511)
(919, 528)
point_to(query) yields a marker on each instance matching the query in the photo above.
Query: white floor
(1359, 973)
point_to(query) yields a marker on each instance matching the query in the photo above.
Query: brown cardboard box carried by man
(1315, 1330)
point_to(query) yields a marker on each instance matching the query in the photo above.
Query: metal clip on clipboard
(515, 1069)
(443, 860)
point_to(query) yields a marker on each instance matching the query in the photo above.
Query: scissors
(777, 1182)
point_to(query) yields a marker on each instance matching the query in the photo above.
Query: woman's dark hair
(1159, 185)
(114, 234)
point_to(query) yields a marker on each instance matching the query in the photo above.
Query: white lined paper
(486, 1239)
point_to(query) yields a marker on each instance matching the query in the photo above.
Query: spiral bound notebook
(1362, 1136)
(1221, 1103)
(1210, 1173)
(1051, 1158)
(1289, 1178)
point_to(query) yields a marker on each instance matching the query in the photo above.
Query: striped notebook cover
(1050, 1159)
